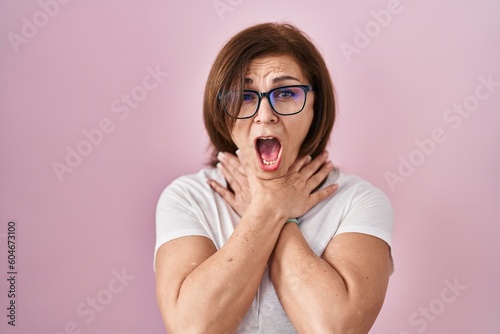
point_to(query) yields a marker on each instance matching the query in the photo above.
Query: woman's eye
(247, 97)
(285, 94)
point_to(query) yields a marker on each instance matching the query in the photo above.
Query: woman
(275, 239)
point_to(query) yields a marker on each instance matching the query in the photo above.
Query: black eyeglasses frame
(305, 88)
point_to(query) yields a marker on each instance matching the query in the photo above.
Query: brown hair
(228, 72)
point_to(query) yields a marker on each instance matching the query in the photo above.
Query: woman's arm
(201, 290)
(340, 292)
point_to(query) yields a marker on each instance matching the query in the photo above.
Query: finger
(236, 162)
(229, 160)
(246, 157)
(298, 164)
(230, 177)
(316, 179)
(225, 193)
(320, 195)
(243, 167)
(315, 164)
(232, 169)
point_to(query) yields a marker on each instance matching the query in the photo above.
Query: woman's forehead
(274, 68)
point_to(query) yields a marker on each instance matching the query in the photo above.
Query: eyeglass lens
(284, 100)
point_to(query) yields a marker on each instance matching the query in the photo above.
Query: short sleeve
(370, 213)
(176, 216)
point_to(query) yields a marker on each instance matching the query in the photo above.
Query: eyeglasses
(286, 100)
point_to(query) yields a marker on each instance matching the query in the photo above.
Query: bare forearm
(219, 292)
(313, 293)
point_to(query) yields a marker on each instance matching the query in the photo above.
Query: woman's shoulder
(353, 185)
(197, 178)
(192, 185)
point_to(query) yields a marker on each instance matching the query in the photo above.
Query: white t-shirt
(189, 206)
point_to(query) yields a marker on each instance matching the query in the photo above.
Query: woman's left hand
(237, 194)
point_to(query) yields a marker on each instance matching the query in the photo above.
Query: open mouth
(268, 150)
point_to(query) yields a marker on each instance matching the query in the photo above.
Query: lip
(268, 168)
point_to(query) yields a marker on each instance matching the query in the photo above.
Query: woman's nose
(265, 113)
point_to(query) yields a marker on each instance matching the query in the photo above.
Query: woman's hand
(292, 193)
(237, 194)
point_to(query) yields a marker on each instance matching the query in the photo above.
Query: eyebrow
(275, 80)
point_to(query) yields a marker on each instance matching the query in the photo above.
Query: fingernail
(220, 155)
(309, 158)
(219, 165)
(237, 152)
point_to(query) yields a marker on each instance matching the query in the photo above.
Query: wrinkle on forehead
(273, 69)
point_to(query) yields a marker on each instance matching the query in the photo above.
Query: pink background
(98, 219)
